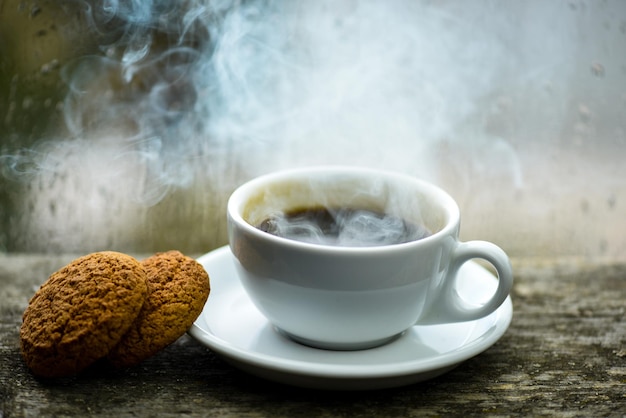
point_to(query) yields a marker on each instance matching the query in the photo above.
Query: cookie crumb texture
(81, 312)
(178, 288)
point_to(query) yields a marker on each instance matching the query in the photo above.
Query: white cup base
(337, 346)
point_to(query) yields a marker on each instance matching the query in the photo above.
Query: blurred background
(125, 124)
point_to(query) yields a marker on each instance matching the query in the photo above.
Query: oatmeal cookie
(178, 287)
(81, 312)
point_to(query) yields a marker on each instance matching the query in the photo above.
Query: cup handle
(450, 306)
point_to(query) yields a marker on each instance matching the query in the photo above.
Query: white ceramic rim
(241, 193)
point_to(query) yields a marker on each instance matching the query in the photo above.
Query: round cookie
(178, 287)
(81, 312)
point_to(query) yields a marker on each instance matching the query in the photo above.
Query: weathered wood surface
(564, 355)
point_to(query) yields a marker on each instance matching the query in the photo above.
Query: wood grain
(564, 355)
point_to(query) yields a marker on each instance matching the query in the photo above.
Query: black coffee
(343, 227)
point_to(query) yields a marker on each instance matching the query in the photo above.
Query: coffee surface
(343, 227)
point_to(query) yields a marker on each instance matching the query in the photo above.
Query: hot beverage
(356, 290)
(343, 227)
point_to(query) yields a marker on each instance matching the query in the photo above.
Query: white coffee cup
(355, 297)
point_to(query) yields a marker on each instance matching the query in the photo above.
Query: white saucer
(232, 327)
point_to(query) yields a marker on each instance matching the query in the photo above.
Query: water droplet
(597, 69)
(612, 200)
(34, 11)
(548, 87)
(27, 103)
(46, 68)
(604, 246)
(584, 113)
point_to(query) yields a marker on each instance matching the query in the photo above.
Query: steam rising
(343, 227)
(285, 82)
(200, 95)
